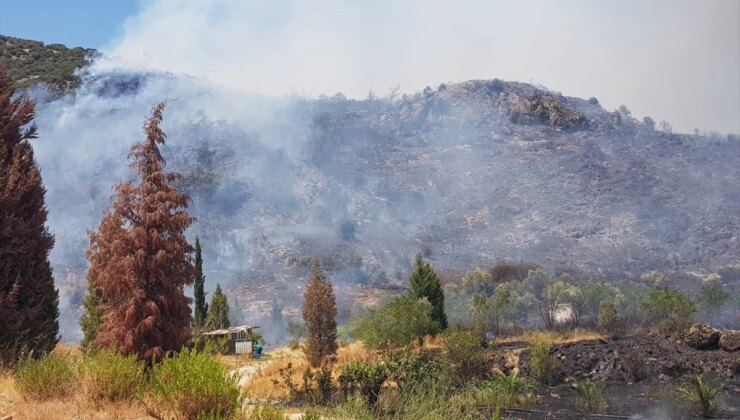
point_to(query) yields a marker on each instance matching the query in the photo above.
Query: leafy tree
(319, 314)
(477, 281)
(395, 324)
(92, 315)
(425, 284)
(607, 314)
(672, 309)
(712, 296)
(140, 259)
(28, 300)
(199, 294)
(649, 122)
(218, 312)
(501, 302)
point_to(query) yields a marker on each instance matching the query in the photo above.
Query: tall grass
(503, 391)
(702, 395)
(590, 395)
(191, 385)
(540, 366)
(111, 376)
(52, 376)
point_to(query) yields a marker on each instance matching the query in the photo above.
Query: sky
(674, 60)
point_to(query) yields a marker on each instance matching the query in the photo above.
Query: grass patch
(111, 376)
(702, 395)
(590, 395)
(53, 376)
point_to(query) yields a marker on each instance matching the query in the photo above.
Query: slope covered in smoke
(470, 173)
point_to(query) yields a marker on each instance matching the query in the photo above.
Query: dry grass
(565, 337)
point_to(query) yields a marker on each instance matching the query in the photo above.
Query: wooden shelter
(239, 338)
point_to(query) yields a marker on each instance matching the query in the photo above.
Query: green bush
(267, 412)
(503, 391)
(590, 395)
(191, 384)
(673, 310)
(465, 355)
(367, 378)
(113, 377)
(396, 324)
(53, 376)
(540, 365)
(702, 395)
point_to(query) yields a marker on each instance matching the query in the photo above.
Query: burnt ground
(642, 373)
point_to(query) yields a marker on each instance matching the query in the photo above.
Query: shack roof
(232, 330)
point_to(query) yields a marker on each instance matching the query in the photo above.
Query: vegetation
(53, 376)
(218, 311)
(92, 314)
(425, 284)
(673, 310)
(540, 365)
(147, 311)
(111, 376)
(590, 395)
(200, 311)
(28, 300)
(319, 314)
(702, 395)
(31, 62)
(712, 297)
(503, 391)
(365, 378)
(191, 385)
(395, 324)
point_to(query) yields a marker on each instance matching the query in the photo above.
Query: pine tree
(28, 300)
(425, 284)
(218, 312)
(140, 259)
(199, 294)
(319, 314)
(92, 315)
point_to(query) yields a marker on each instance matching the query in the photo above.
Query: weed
(113, 377)
(590, 395)
(702, 395)
(53, 376)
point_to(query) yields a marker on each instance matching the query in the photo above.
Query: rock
(664, 378)
(730, 341)
(703, 337)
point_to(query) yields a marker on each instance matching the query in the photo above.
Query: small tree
(218, 313)
(607, 315)
(425, 284)
(672, 309)
(649, 122)
(319, 314)
(92, 315)
(395, 324)
(199, 294)
(666, 126)
(296, 329)
(712, 296)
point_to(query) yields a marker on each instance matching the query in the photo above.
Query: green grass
(503, 391)
(113, 377)
(53, 376)
(702, 395)
(590, 395)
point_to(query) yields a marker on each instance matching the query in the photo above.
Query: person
(257, 350)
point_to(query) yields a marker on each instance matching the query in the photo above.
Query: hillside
(471, 174)
(31, 62)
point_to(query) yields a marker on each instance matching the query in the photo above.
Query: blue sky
(85, 23)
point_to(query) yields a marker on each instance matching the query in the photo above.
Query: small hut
(239, 338)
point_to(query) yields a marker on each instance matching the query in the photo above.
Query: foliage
(317, 385)
(266, 412)
(672, 309)
(199, 295)
(140, 258)
(712, 296)
(319, 314)
(702, 395)
(477, 281)
(503, 391)
(28, 300)
(52, 376)
(296, 329)
(218, 310)
(190, 384)
(541, 362)
(396, 323)
(113, 377)
(365, 378)
(590, 395)
(465, 355)
(425, 284)
(31, 62)
(607, 315)
(92, 315)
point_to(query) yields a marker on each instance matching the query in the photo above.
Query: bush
(702, 395)
(113, 377)
(503, 391)
(192, 384)
(367, 378)
(590, 395)
(396, 324)
(540, 365)
(53, 376)
(465, 355)
(607, 315)
(267, 412)
(673, 310)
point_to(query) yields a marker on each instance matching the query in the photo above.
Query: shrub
(396, 324)
(590, 395)
(465, 355)
(267, 412)
(113, 377)
(503, 391)
(673, 310)
(53, 376)
(410, 368)
(192, 384)
(355, 407)
(702, 395)
(607, 315)
(367, 378)
(317, 385)
(540, 365)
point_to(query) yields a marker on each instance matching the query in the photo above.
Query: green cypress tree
(201, 307)
(218, 312)
(425, 284)
(93, 313)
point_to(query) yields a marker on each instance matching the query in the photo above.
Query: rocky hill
(470, 173)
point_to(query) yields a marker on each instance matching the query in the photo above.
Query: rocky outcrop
(730, 341)
(703, 337)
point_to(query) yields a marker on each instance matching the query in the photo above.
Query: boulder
(730, 341)
(703, 337)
